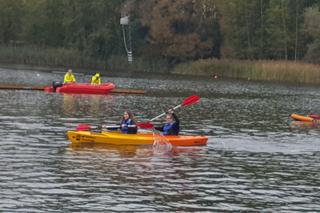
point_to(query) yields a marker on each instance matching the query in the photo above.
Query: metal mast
(126, 33)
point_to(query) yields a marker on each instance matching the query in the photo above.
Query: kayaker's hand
(170, 111)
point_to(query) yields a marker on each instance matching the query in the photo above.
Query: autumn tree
(181, 30)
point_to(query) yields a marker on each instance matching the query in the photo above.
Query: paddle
(193, 99)
(87, 127)
(146, 125)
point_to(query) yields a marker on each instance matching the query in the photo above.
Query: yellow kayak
(118, 138)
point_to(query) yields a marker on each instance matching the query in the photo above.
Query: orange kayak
(298, 117)
(118, 138)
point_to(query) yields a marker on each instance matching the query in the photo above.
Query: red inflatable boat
(82, 88)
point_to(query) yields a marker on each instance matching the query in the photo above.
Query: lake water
(256, 158)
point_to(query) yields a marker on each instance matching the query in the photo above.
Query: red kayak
(82, 88)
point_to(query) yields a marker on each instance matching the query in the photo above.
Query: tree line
(172, 30)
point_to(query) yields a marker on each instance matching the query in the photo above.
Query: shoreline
(89, 72)
(58, 60)
(282, 72)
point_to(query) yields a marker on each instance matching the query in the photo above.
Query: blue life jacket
(166, 128)
(126, 128)
(170, 128)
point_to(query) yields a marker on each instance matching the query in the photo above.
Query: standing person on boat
(96, 80)
(172, 125)
(128, 123)
(69, 77)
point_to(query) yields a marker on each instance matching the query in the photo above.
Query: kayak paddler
(69, 77)
(128, 123)
(172, 124)
(96, 80)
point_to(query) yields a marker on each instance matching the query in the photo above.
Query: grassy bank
(279, 71)
(51, 57)
(63, 58)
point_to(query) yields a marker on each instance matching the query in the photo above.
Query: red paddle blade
(83, 127)
(193, 99)
(146, 125)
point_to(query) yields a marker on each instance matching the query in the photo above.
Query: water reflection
(302, 125)
(160, 148)
(120, 151)
(91, 104)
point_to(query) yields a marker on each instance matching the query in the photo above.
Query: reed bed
(262, 70)
(44, 56)
(62, 57)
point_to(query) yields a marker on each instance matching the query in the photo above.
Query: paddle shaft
(193, 99)
(111, 127)
(176, 107)
(141, 125)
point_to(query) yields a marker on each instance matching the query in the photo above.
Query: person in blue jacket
(172, 124)
(128, 123)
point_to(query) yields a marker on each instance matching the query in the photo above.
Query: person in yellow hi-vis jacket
(69, 77)
(96, 79)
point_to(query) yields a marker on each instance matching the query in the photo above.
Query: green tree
(243, 28)
(312, 20)
(287, 39)
(278, 29)
(93, 26)
(43, 22)
(55, 31)
(11, 13)
(264, 29)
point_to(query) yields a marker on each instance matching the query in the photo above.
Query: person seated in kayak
(172, 125)
(96, 80)
(128, 123)
(69, 77)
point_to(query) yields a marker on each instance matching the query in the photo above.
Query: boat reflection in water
(305, 125)
(73, 104)
(123, 151)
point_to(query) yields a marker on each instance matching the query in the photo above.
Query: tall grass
(44, 56)
(281, 71)
(62, 57)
